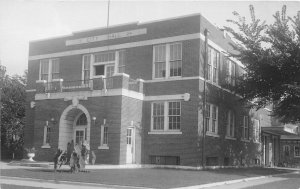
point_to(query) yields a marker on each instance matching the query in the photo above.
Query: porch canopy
(287, 129)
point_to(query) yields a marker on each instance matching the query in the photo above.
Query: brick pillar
(140, 83)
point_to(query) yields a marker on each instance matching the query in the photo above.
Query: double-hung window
(166, 116)
(49, 69)
(230, 124)
(286, 150)
(245, 128)
(121, 65)
(297, 151)
(86, 68)
(167, 60)
(256, 130)
(104, 64)
(231, 70)
(104, 136)
(46, 141)
(213, 62)
(211, 118)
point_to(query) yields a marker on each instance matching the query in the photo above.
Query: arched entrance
(74, 124)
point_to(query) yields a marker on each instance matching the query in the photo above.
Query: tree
(271, 55)
(12, 114)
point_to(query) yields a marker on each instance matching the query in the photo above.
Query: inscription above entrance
(105, 37)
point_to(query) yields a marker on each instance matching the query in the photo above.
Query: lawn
(144, 177)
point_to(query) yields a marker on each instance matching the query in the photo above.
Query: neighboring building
(290, 151)
(134, 93)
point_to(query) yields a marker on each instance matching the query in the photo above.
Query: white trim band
(119, 46)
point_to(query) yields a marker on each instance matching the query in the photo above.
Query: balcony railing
(101, 83)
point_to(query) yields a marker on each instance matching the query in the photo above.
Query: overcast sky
(25, 20)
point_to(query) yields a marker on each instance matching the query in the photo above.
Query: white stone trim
(212, 134)
(165, 132)
(119, 46)
(121, 74)
(46, 146)
(230, 138)
(59, 80)
(103, 147)
(30, 90)
(87, 94)
(166, 97)
(40, 81)
(61, 132)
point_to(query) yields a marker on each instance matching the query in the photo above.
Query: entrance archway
(68, 128)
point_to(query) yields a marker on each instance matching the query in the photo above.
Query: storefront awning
(287, 129)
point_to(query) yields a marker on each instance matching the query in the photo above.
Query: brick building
(134, 93)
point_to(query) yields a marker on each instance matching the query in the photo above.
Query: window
(166, 116)
(245, 128)
(121, 66)
(49, 69)
(297, 151)
(46, 141)
(213, 59)
(81, 120)
(86, 68)
(158, 115)
(167, 60)
(175, 60)
(230, 123)
(286, 150)
(160, 61)
(230, 67)
(256, 130)
(174, 115)
(104, 136)
(211, 118)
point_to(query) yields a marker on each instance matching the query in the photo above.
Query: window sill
(98, 76)
(58, 80)
(245, 140)
(103, 147)
(165, 133)
(230, 138)
(40, 81)
(46, 146)
(212, 134)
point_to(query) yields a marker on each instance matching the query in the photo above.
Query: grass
(154, 178)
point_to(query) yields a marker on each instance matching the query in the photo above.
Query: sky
(24, 20)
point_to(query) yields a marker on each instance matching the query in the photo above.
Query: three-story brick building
(134, 93)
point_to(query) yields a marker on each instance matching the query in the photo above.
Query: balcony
(118, 81)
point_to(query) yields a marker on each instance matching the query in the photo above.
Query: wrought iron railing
(100, 83)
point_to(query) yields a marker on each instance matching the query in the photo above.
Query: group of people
(76, 156)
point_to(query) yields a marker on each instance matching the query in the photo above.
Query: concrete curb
(70, 182)
(231, 181)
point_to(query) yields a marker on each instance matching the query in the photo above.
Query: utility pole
(206, 33)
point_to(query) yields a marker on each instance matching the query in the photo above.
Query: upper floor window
(256, 130)
(86, 68)
(211, 118)
(166, 116)
(167, 61)
(286, 150)
(245, 127)
(121, 65)
(103, 64)
(297, 151)
(213, 59)
(230, 123)
(231, 71)
(49, 69)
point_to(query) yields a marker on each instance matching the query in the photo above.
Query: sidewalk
(133, 176)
